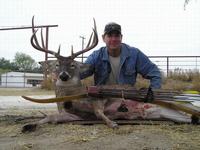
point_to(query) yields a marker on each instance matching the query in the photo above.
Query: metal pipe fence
(170, 63)
(165, 64)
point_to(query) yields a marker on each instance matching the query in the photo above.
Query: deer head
(67, 68)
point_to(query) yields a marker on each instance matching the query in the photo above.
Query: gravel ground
(15, 112)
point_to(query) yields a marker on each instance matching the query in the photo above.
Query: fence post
(6, 79)
(196, 62)
(167, 66)
(24, 80)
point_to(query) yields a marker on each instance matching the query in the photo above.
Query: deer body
(83, 110)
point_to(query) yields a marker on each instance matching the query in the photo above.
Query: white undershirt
(113, 77)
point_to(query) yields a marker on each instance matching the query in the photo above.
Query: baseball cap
(112, 27)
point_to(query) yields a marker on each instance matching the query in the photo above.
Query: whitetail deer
(68, 81)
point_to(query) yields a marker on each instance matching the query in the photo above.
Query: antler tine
(35, 43)
(94, 42)
(34, 34)
(42, 40)
(88, 44)
(95, 27)
(59, 50)
(72, 50)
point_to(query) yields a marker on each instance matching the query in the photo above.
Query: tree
(24, 62)
(6, 65)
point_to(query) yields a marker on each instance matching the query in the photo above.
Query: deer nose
(64, 76)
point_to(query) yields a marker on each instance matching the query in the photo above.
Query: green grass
(24, 91)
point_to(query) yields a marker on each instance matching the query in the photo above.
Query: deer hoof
(29, 128)
(113, 125)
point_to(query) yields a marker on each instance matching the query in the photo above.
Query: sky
(156, 27)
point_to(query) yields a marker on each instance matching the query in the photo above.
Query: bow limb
(57, 99)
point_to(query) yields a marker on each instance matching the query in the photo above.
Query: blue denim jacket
(132, 61)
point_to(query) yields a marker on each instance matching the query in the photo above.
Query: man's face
(112, 40)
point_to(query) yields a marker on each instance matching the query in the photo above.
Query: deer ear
(84, 67)
(51, 65)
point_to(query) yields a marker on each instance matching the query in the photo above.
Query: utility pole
(83, 38)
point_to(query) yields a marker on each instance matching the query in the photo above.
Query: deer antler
(94, 35)
(36, 45)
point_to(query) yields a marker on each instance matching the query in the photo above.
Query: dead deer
(68, 82)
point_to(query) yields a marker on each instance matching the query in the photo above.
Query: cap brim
(112, 31)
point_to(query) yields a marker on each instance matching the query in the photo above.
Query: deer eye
(57, 66)
(72, 66)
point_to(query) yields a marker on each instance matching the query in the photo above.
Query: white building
(21, 79)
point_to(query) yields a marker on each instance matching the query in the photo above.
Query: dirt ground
(163, 136)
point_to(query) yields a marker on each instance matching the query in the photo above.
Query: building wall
(19, 79)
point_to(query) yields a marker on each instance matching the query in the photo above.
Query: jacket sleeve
(89, 72)
(148, 70)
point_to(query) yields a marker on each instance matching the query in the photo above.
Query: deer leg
(175, 116)
(60, 106)
(98, 106)
(57, 118)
